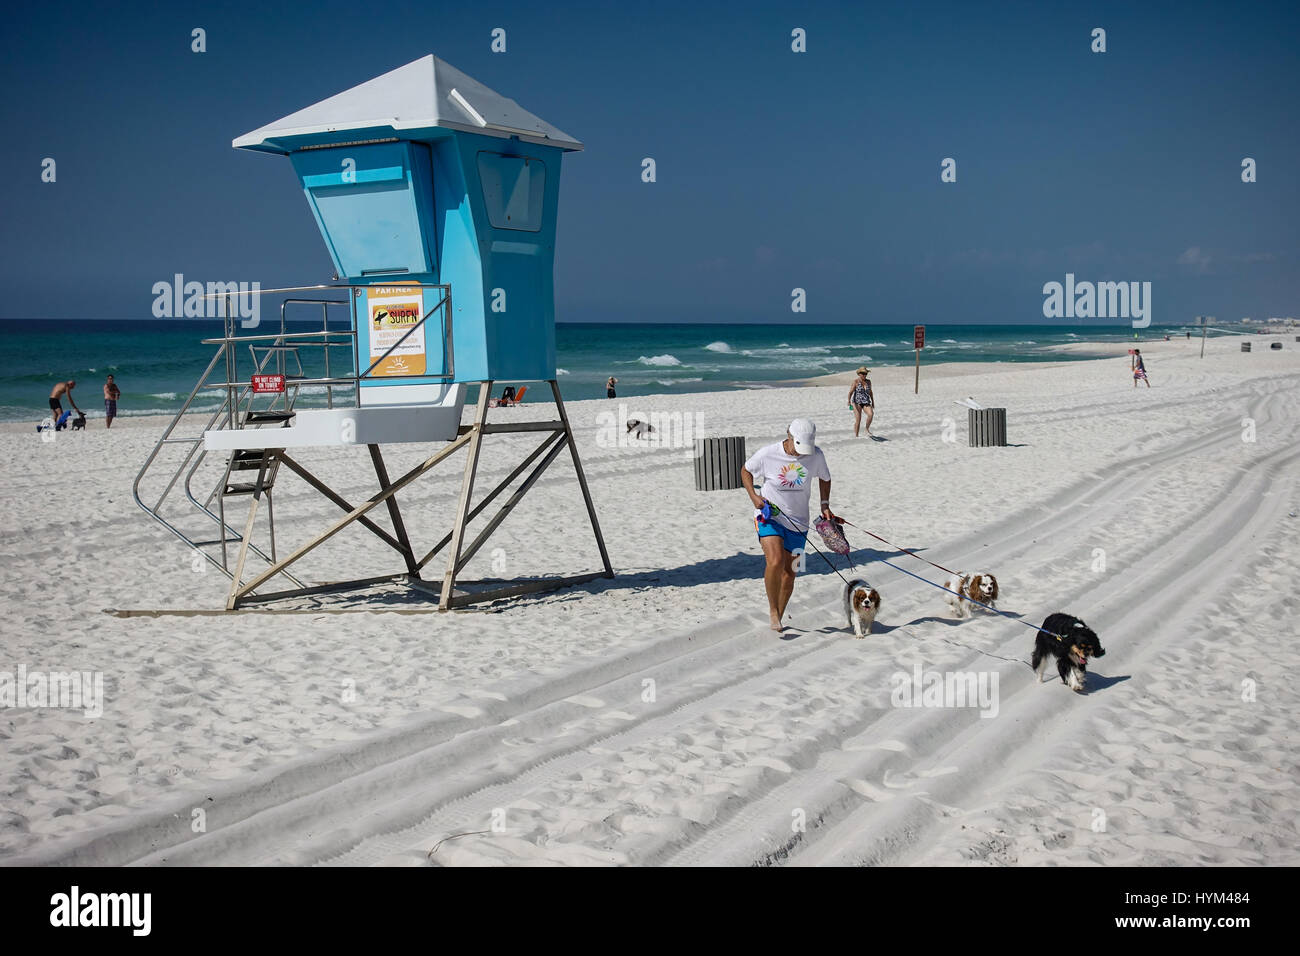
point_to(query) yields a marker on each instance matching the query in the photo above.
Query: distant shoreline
(884, 376)
(157, 362)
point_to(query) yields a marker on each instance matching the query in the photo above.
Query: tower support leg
(466, 492)
(381, 472)
(582, 479)
(460, 550)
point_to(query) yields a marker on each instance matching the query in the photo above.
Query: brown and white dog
(982, 587)
(861, 603)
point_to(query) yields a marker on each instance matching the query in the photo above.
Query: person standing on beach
(61, 389)
(862, 400)
(1139, 369)
(786, 471)
(111, 395)
(609, 387)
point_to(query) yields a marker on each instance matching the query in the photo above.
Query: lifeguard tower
(437, 200)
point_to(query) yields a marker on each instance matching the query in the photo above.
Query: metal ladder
(234, 411)
(266, 462)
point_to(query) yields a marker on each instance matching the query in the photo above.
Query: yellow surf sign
(393, 311)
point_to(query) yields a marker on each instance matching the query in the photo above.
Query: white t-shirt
(788, 480)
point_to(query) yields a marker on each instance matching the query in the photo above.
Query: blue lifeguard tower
(437, 200)
(426, 175)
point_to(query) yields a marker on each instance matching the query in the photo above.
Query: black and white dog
(861, 603)
(79, 422)
(1071, 642)
(639, 429)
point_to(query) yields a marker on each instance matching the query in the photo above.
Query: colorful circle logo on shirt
(792, 475)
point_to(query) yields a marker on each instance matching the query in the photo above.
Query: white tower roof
(425, 93)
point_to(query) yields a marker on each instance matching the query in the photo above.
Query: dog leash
(987, 607)
(1017, 660)
(828, 561)
(779, 513)
(944, 639)
(940, 586)
(933, 584)
(1013, 660)
(899, 548)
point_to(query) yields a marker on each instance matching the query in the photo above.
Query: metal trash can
(1245, 346)
(1276, 345)
(718, 462)
(987, 427)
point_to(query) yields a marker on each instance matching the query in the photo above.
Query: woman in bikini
(862, 399)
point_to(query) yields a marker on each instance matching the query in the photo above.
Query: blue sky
(775, 169)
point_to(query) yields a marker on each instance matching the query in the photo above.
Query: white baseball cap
(804, 434)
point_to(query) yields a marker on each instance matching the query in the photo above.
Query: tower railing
(272, 354)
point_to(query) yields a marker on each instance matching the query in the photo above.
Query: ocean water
(156, 363)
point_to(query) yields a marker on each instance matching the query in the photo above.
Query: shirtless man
(111, 393)
(63, 388)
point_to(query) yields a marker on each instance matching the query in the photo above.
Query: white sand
(534, 720)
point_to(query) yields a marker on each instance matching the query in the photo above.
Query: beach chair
(508, 398)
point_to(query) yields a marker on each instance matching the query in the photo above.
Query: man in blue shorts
(786, 471)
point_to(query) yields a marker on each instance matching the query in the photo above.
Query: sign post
(918, 343)
(1205, 327)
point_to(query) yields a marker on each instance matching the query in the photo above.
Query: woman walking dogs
(786, 471)
(862, 400)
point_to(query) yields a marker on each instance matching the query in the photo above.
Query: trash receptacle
(987, 427)
(718, 462)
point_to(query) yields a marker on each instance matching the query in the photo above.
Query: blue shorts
(793, 541)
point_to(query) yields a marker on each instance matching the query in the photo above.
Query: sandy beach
(655, 719)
